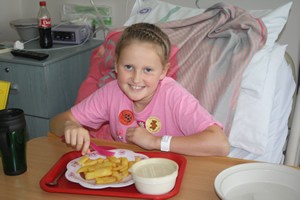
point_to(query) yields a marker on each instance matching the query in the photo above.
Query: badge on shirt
(126, 117)
(141, 123)
(153, 124)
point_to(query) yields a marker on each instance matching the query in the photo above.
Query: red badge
(126, 117)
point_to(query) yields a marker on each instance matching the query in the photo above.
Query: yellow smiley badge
(153, 125)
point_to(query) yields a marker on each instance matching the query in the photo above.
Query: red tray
(65, 186)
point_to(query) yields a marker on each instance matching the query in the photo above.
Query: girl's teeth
(136, 87)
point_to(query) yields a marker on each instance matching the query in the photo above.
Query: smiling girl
(143, 106)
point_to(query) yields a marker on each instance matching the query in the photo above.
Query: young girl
(143, 106)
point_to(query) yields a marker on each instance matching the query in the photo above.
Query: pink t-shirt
(172, 111)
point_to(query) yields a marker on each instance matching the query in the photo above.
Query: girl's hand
(143, 138)
(77, 136)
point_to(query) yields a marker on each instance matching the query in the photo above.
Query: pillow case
(253, 86)
(153, 11)
(250, 128)
(255, 74)
(280, 106)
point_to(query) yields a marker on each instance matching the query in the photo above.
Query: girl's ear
(115, 66)
(164, 71)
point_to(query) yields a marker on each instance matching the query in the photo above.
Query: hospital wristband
(165, 143)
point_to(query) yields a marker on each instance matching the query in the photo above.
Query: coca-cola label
(45, 23)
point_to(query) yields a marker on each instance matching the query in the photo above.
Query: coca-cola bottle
(44, 26)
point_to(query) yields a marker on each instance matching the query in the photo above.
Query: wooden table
(44, 152)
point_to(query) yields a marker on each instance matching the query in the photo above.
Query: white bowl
(260, 181)
(154, 176)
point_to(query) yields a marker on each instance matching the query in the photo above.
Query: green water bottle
(13, 136)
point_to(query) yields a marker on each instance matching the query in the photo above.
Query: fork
(103, 150)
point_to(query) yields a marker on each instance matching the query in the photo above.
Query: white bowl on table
(154, 176)
(259, 181)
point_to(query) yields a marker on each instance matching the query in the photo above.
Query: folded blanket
(209, 55)
(214, 49)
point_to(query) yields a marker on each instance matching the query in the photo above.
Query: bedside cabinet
(45, 88)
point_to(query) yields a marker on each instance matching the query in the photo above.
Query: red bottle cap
(42, 3)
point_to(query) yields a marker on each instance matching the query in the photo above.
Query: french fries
(105, 170)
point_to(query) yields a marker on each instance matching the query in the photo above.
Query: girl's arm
(75, 135)
(210, 142)
(57, 123)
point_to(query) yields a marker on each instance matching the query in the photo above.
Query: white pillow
(253, 86)
(281, 108)
(275, 20)
(250, 126)
(255, 74)
(153, 11)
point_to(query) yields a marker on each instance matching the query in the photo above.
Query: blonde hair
(145, 32)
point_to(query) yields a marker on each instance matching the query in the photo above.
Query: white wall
(9, 10)
(15, 9)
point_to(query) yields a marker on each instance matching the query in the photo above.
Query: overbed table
(44, 152)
